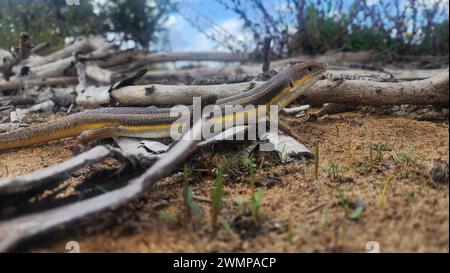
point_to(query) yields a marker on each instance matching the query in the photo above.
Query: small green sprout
(249, 165)
(216, 204)
(379, 149)
(229, 229)
(256, 200)
(190, 207)
(333, 170)
(290, 231)
(352, 211)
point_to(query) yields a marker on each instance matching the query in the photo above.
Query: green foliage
(53, 20)
(137, 20)
(352, 211)
(379, 148)
(255, 202)
(356, 213)
(365, 39)
(249, 165)
(333, 171)
(367, 27)
(190, 206)
(216, 204)
(46, 21)
(408, 158)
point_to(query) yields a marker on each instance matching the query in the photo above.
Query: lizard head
(303, 74)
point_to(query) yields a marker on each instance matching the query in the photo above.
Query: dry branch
(226, 74)
(193, 56)
(19, 229)
(99, 74)
(127, 56)
(82, 46)
(40, 177)
(294, 110)
(229, 74)
(23, 84)
(40, 47)
(434, 91)
(54, 69)
(163, 95)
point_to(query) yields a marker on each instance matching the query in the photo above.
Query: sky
(184, 37)
(211, 15)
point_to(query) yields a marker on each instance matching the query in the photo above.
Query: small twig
(294, 110)
(315, 208)
(40, 47)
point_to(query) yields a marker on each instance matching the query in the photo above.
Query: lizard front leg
(86, 137)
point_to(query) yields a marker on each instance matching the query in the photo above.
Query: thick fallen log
(163, 95)
(431, 91)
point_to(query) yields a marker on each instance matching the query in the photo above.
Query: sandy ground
(341, 211)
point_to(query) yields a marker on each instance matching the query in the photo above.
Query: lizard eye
(310, 68)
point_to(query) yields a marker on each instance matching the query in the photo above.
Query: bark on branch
(434, 91)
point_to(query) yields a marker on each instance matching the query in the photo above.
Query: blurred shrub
(315, 26)
(54, 20)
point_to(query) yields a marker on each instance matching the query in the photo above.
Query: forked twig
(26, 182)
